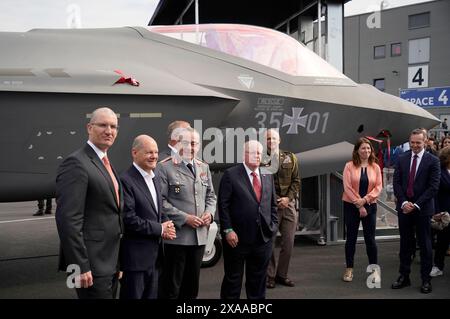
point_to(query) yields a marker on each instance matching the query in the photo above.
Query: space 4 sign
(428, 97)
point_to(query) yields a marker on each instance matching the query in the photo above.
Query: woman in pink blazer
(362, 186)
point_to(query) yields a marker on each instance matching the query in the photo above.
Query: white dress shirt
(148, 178)
(250, 176)
(419, 158)
(99, 152)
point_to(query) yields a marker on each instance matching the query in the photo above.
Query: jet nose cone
(413, 109)
(399, 116)
(409, 117)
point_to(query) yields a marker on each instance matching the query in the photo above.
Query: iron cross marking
(295, 120)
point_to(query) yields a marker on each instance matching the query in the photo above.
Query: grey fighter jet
(226, 76)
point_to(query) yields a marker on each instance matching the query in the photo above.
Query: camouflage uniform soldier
(287, 185)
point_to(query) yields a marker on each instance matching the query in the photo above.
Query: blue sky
(23, 15)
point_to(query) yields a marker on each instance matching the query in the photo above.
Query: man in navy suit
(140, 248)
(416, 182)
(248, 219)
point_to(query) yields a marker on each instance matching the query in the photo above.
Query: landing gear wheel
(211, 258)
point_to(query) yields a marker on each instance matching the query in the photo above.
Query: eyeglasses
(105, 126)
(186, 143)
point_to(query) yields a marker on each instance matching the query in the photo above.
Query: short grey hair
(138, 142)
(173, 128)
(101, 110)
(251, 144)
(187, 130)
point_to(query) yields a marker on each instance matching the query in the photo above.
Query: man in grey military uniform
(189, 201)
(284, 166)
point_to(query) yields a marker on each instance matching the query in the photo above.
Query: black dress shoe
(426, 287)
(270, 283)
(401, 282)
(38, 213)
(285, 281)
(48, 212)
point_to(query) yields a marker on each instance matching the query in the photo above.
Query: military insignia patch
(204, 177)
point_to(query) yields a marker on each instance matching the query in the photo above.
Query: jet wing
(154, 82)
(325, 159)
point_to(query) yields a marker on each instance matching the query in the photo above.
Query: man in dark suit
(416, 182)
(173, 133)
(89, 203)
(248, 219)
(140, 248)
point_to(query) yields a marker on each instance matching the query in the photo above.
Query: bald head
(145, 152)
(142, 140)
(101, 112)
(272, 140)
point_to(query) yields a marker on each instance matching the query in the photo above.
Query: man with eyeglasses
(189, 201)
(88, 215)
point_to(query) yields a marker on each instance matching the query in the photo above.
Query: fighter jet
(227, 77)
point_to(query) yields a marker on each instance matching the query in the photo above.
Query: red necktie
(412, 175)
(105, 161)
(256, 186)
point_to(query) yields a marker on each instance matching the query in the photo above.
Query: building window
(379, 84)
(303, 37)
(421, 20)
(379, 52)
(396, 49)
(419, 51)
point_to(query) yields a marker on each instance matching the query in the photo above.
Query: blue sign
(427, 97)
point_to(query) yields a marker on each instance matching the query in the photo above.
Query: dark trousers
(104, 287)
(181, 271)
(352, 220)
(255, 258)
(442, 242)
(407, 223)
(47, 204)
(139, 284)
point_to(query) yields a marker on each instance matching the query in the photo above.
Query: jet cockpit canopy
(261, 45)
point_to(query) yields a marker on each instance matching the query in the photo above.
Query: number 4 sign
(418, 76)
